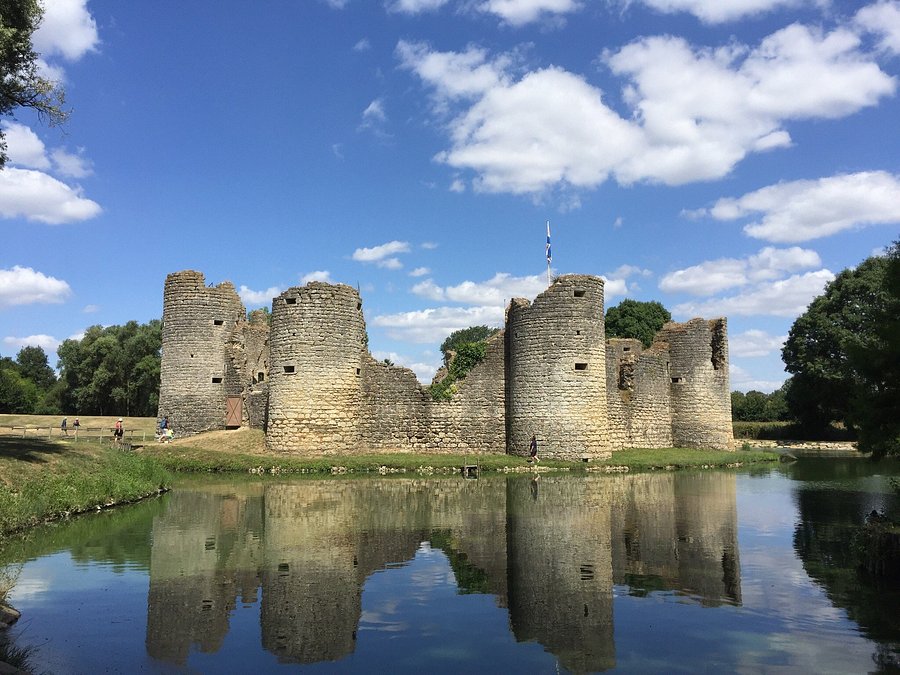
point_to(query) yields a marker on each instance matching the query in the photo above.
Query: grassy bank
(42, 479)
(244, 450)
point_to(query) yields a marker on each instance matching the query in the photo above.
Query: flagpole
(549, 256)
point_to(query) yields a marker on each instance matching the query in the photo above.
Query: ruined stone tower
(556, 370)
(701, 399)
(317, 344)
(198, 322)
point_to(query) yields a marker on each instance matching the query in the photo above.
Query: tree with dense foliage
(112, 370)
(21, 82)
(844, 319)
(33, 364)
(464, 336)
(875, 399)
(635, 319)
(756, 406)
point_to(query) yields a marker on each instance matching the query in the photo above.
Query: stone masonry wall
(637, 388)
(198, 322)
(317, 344)
(394, 408)
(556, 370)
(701, 400)
(474, 419)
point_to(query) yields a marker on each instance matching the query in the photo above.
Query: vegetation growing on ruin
(463, 350)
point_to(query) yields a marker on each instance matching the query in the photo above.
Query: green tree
(875, 399)
(21, 84)
(32, 362)
(112, 370)
(635, 319)
(17, 394)
(464, 336)
(842, 320)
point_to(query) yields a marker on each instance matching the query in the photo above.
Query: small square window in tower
(290, 301)
(581, 366)
(218, 322)
(578, 292)
(260, 376)
(289, 370)
(217, 380)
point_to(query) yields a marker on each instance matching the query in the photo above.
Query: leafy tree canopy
(466, 335)
(21, 84)
(635, 319)
(32, 362)
(112, 370)
(817, 352)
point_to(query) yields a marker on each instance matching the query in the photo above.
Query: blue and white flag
(549, 256)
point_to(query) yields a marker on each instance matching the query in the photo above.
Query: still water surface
(677, 572)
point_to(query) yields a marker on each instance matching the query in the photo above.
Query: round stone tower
(317, 343)
(198, 321)
(556, 371)
(699, 386)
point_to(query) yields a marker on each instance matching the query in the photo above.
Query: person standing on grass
(119, 431)
(64, 426)
(533, 449)
(76, 425)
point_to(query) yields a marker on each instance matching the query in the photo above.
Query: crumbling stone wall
(701, 400)
(637, 388)
(317, 347)
(198, 322)
(394, 408)
(474, 419)
(556, 370)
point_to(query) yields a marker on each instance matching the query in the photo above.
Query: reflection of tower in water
(560, 569)
(677, 531)
(202, 558)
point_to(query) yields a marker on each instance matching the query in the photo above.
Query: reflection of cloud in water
(376, 622)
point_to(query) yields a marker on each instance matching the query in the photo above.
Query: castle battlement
(308, 379)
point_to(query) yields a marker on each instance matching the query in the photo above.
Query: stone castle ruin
(307, 378)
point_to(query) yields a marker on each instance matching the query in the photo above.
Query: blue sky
(725, 157)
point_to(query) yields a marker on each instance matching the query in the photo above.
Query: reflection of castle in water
(550, 550)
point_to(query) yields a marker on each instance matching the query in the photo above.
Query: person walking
(76, 425)
(533, 453)
(119, 431)
(64, 426)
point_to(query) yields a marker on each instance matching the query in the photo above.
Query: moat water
(710, 571)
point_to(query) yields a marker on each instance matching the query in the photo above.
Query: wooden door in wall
(232, 411)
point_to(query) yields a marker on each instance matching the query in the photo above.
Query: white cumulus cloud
(719, 11)
(382, 255)
(521, 12)
(67, 30)
(786, 297)
(810, 209)
(39, 197)
(435, 324)
(692, 113)
(883, 19)
(25, 286)
(754, 343)
(252, 298)
(317, 275)
(712, 276)
(496, 291)
(46, 342)
(23, 147)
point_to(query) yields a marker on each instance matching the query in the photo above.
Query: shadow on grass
(29, 449)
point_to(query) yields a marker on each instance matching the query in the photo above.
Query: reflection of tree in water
(824, 541)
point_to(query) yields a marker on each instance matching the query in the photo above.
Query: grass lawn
(244, 450)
